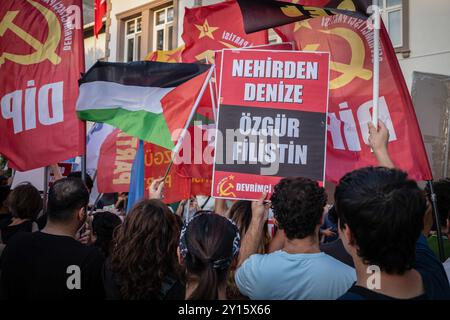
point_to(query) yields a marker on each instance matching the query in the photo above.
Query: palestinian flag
(146, 99)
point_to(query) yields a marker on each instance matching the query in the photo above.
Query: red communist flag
(215, 27)
(99, 13)
(350, 42)
(157, 160)
(41, 59)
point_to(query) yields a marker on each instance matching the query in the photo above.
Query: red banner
(157, 160)
(350, 43)
(215, 27)
(177, 187)
(115, 162)
(99, 13)
(41, 59)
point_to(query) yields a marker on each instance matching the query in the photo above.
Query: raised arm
(255, 231)
(378, 141)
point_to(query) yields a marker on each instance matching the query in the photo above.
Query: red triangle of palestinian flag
(146, 99)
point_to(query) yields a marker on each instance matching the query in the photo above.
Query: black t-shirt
(36, 266)
(434, 278)
(361, 293)
(8, 231)
(337, 250)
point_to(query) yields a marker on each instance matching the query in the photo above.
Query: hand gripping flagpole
(376, 61)
(188, 122)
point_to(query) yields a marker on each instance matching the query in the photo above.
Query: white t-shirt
(284, 276)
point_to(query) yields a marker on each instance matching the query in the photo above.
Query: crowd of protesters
(378, 241)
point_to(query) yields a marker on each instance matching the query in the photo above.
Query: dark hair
(442, 191)
(4, 193)
(209, 238)
(77, 174)
(298, 205)
(145, 250)
(3, 180)
(241, 214)
(24, 202)
(103, 226)
(384, 211)
(64, 197)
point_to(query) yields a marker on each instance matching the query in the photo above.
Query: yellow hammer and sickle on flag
(294, 12)
(291, 11)
(209, 54)
(43, 51)
(226, 187)
(355, 69)
(347, 5)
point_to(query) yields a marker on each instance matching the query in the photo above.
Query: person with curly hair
(299, 271)
(143, 264)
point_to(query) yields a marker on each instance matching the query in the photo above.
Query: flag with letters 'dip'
(145, 99)
(265, 14)
(350, 43)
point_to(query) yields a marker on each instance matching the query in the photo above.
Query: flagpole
(213, 102)
(437, 221)
(45, 195)
(376, 61)
(188, 122)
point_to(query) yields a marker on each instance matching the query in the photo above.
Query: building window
(163, 29)
(133, 39)
(392, 13)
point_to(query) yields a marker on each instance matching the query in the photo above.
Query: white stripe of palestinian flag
(146, 99)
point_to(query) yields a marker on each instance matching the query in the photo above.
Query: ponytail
(208, 286)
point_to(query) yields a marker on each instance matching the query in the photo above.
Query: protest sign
(272, 120)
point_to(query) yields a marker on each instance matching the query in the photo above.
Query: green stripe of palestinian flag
(131, 122)
(148, 100)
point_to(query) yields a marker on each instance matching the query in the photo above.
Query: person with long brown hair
(144, 263)
(208, 245)
(241, 214)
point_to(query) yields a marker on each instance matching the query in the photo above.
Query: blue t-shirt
(284, 276)
(434, 279)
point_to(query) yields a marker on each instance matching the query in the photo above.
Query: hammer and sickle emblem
(225, 188)
(43, 51)
(355, 69)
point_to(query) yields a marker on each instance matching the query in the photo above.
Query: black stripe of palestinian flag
(265, 14)
(146, 99)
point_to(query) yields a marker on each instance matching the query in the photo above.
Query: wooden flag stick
(376, 61)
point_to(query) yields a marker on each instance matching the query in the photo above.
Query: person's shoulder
(335, 263)
(93, 253)
(351, 296)
(267, 258)
(22, 238)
